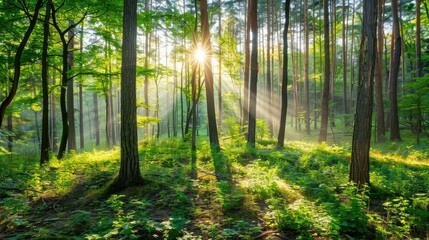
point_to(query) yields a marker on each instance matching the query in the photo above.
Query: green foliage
(261, 129)
(13, 210)
(142, 121)
(301, 191)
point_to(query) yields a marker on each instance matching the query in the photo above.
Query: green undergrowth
(300, 192)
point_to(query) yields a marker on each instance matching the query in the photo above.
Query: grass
(301, 192)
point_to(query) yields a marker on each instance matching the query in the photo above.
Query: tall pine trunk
(70, 93)
(129, 172)
(269, 92)
(208, 74)
(81, 126)
(251, 135)
(344, 62)
(359, 167)
(44, 151)
(281, 137)
(419, 68)
(394, 70)
(246, 68)
(381, 127)
(325, 94)
(306, 71)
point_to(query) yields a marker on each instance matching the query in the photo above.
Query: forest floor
(300, 192)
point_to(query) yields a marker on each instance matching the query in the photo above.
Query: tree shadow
(222, 165)
(321, 176)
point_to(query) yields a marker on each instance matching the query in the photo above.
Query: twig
(266, 233)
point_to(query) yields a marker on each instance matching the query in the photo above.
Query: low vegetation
(300, 192)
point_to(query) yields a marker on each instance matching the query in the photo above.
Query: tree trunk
(208, 74)
(174, 108)
(359, 168)
(325, 95)
(96, 119)
(352, 68)
(81, 128)
(246, 67)
(315, 112)
(334, 61)
(146, 77)
(381, 128)
(10, 136)
(17, 61)
(269, 92)
(70, 93)
(419, 68)
(281, 137)
(394, 70)
(220, 68)
(251, 136)
(344, 61)
(44, 151)
(36, 118)
(53, 122)
(112, 110)
(306, 71)
(129, 172)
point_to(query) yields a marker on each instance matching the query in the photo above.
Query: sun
(200, 55)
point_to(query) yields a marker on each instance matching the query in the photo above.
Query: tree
(269, 91)
(325, 94)
(381, 128)
(18, 55)
(344, 61)
(44, 151)
(419, 68)
(208, 75)
(281, 136)
(245, 113)
(251, 135)
(359, 167)
(220, 66)
(70, 92)
(66, 67)
(306, 70)
(394, 70)
(129, 172)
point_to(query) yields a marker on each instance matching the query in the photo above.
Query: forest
(221, 119)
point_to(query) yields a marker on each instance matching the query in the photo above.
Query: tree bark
(281, 136)
(246, 67)
(129, 172)
(394, 70)
(381, 127)
(44, 151)
(81, 126)
(325, 95)
(334, 62)
(96, 119)
(220, 68)
(146, 78)
(269, 92)
(208, 74)
(359, 168)
(251, 135)
(306, 71)
(344, 60)
(419, 68)
(70, 92)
